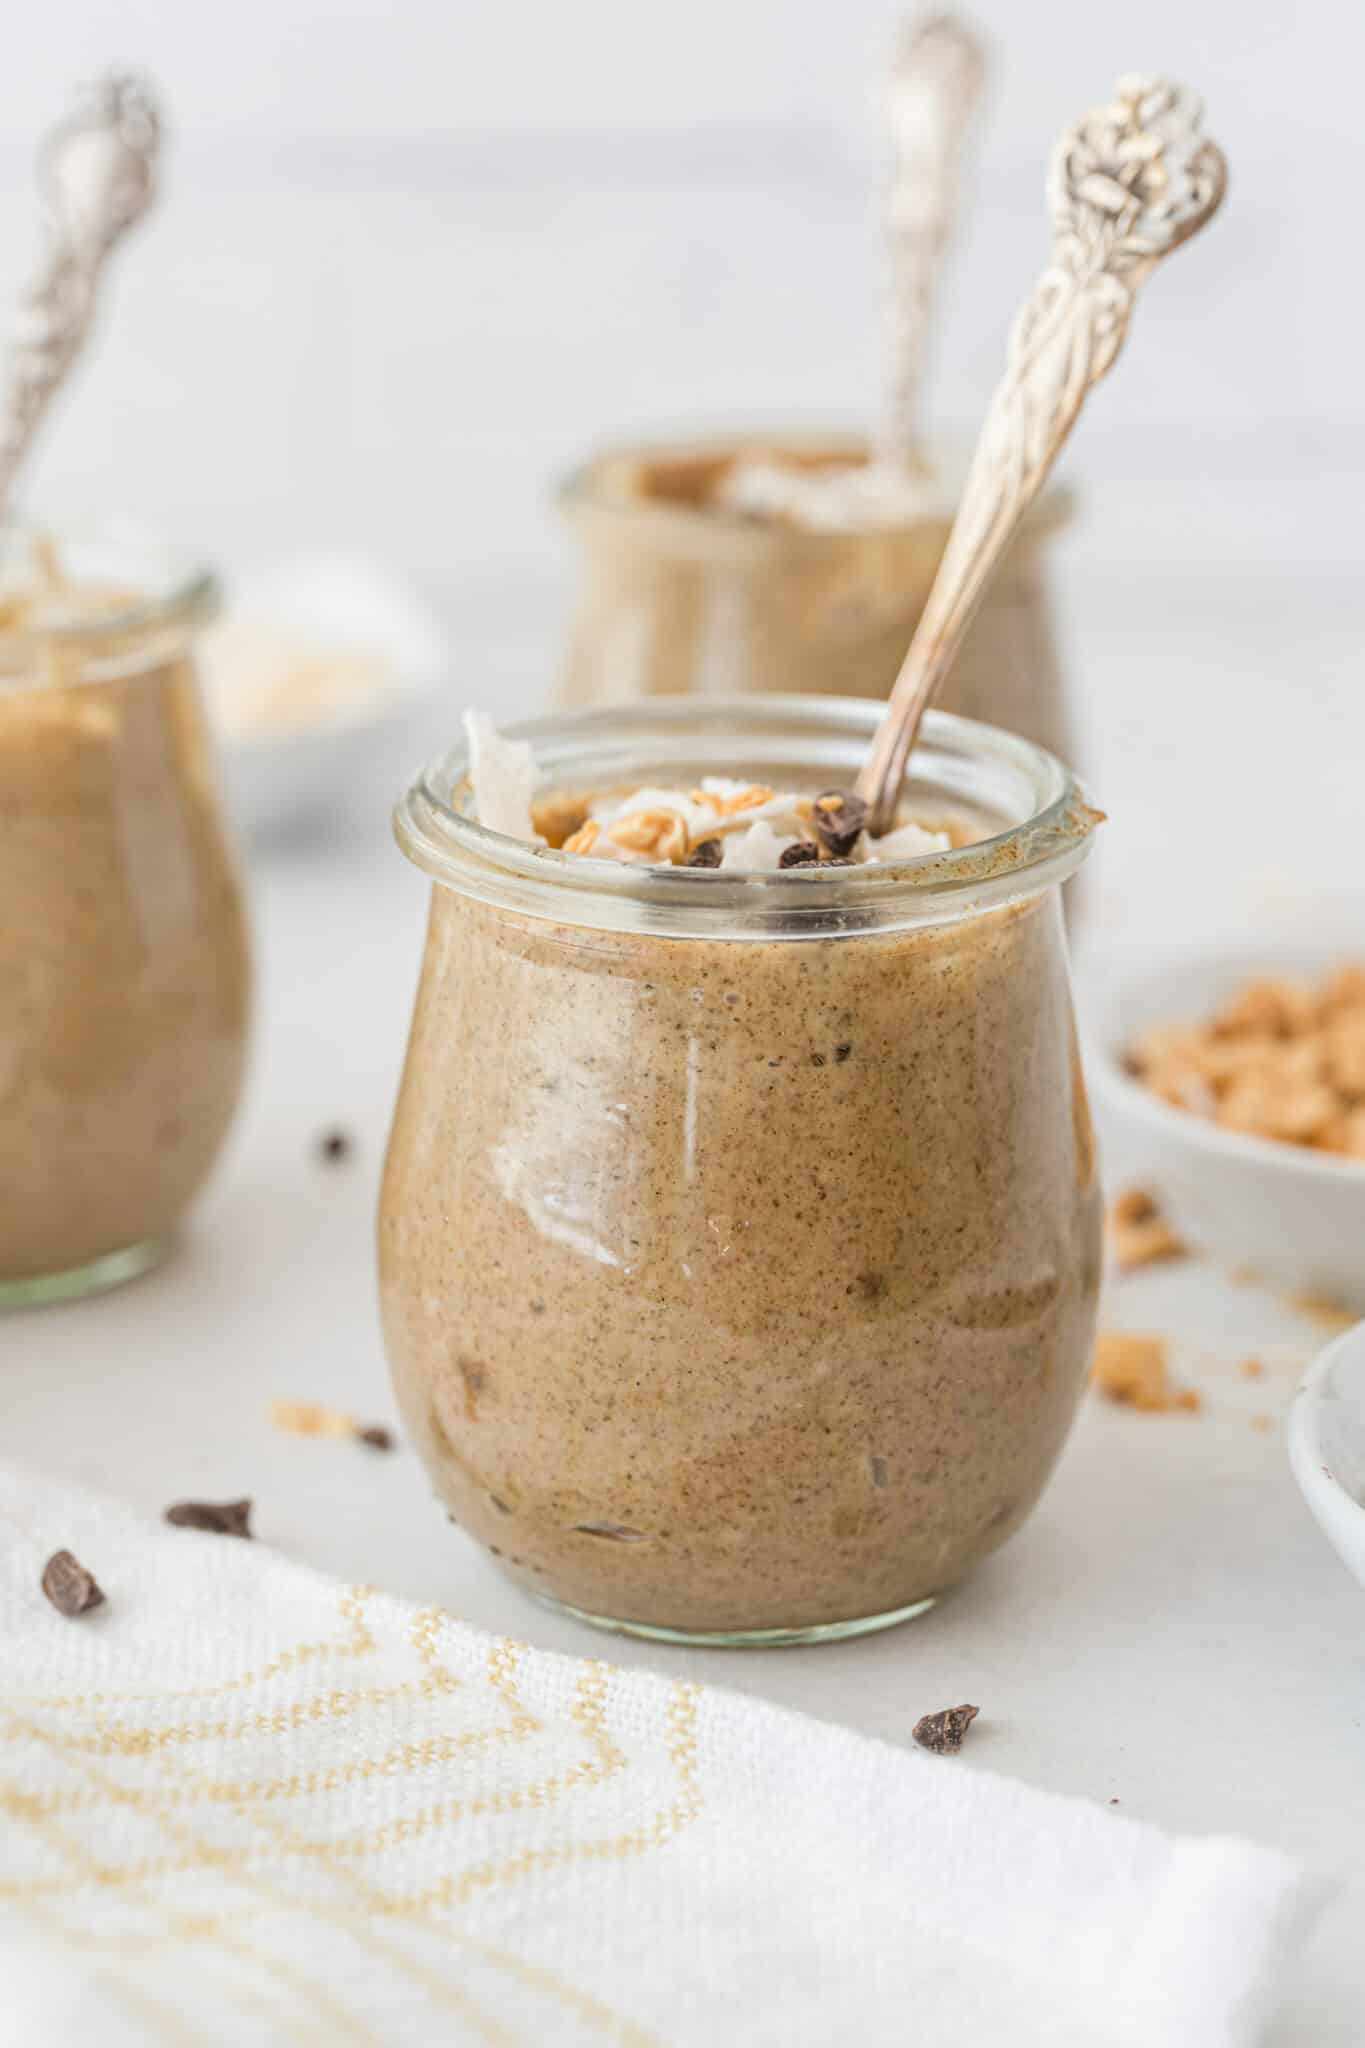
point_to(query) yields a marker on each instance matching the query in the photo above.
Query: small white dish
(1327, 1446)
(1296, 1216)
(317, 680)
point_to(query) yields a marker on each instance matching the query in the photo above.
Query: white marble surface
(1170, 1630)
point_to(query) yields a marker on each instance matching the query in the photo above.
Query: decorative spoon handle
(931, 95)
(1133, 181)
(98, 171)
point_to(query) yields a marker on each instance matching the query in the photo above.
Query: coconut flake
(757, 848)
(502, 775)
(904, 842)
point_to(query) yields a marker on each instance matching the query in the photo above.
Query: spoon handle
(1130, 183)
(98, 172)
(931, 94)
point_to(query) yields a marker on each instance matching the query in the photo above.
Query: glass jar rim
(585, 487)
(172, 589)
(955, 758)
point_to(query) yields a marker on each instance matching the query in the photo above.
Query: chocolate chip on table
(217, 1518)
(943, 1732)
(802, 853)
(334, 1146)
(376, 1436)
(705, 854)
(838, 818)
(69, 1586)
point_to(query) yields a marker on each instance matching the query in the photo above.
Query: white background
(412, 261)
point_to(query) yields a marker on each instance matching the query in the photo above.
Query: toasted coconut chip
(502, 776)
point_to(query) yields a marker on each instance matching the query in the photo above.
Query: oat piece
(334, 1146)
(943, 1732)
(71, 1589)
(1132, 1369)
(838, 818)
(705, 854)
(1137, 1232)
(217, 1518)
(802, 853)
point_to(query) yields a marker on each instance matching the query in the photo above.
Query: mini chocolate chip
(841, 1053)
(705, 854)
(838, 818)
(376, 1436)
(802, 853)
(334, 1146)
(943, 1732)
(218, 1518)
(69, 1586)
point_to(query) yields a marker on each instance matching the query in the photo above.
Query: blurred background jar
(124, 966)
(682, 591)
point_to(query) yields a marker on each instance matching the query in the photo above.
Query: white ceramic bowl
(1296, 1216)
(281, 777)
(1327, 1445)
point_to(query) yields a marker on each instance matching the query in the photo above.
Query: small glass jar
(679, 594)
(739, 1239)
(124, 972)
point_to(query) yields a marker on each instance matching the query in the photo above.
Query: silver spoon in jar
(1131, 182)
(932, 91)
(98, 173)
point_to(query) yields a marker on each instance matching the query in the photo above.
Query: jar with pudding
(795, 563)
(124, 970)
(739, 1238)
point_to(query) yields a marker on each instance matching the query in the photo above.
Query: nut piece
(582, 840)
(661, 834)
(1132, 1369)
(943, 1732)
(71, 1589)
(1137, 1232)
(838, 818)
(558, 815)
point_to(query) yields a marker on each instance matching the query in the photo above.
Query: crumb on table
(1137, 1233)
(1133, 1370)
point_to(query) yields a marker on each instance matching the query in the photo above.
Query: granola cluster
(1279, 1059)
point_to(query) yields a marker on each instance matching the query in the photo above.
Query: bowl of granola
(1234, 1089)
(1327, 1446)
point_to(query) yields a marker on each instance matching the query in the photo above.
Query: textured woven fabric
(241, 1805)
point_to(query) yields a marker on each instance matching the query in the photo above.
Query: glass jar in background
(740, 1237)
(679, 594)
(124, 969)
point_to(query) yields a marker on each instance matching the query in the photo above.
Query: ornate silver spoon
(98, 173)
(931, 95)
(1133, 181)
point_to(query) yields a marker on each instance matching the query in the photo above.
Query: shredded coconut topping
(656, 827)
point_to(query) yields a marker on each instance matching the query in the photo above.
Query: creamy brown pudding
(740, 1245)
(785, 563)
(124, 974)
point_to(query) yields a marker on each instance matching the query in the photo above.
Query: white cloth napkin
(241, 1805)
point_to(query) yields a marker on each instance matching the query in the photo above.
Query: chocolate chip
(802, 853)
(705, 854)
(334, 1146)
(943, 1732)
(69, 1586)
(218, 1518)
(841, 1053)
(376, 1436)
(838, 818)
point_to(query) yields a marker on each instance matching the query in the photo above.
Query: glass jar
(124, 975)
(679, 594)
(740, 1238)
